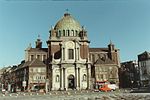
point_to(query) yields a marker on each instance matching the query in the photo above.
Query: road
(77, 95)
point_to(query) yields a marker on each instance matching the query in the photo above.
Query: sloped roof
(104, 61)
(38, 50)
(22, 65)
(98, 49)
(144, 56)
(5, 69)
(37, 63)
(34, 63)
(146, 53)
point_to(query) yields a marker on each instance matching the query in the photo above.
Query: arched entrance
(71, 82)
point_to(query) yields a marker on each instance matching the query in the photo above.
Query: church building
(67, 63)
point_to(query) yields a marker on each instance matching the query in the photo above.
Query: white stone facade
(70, 73)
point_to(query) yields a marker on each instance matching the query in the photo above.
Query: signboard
(24, 83)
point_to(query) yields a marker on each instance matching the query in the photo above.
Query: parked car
(108, 87)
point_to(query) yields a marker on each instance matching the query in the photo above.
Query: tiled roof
(144, 56)
(98, 49)
(38, 49)
(22, 65)
(37, 63)
(34, 63)
(104, 61)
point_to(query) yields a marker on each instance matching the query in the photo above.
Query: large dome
(67, 23)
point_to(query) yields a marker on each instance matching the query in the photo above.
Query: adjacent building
(31, 73)
(144, 65)
(105, 64)
(5, 78)
(129, 74)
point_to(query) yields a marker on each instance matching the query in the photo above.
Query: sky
(125, 22)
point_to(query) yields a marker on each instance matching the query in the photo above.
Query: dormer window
(70, 54)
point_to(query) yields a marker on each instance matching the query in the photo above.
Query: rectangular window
(64, 33)
(38, 57)
(71, 54)
(32, 57)
(44, 57)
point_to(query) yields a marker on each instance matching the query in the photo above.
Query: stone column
(76, 81)
(61, 79)
(64, 78)
(88, 76)
(63, 50)
(52, 79)
(78, 55)
(62, 55)
(75, 54)
(79, 78)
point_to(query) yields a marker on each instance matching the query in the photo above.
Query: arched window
(68, 32)
(57, 78)
(76, 33)
(63, 32)
(84, 77)
(72, 32)
(59, 33)
(70, 54)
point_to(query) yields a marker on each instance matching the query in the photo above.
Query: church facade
(68, 49)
